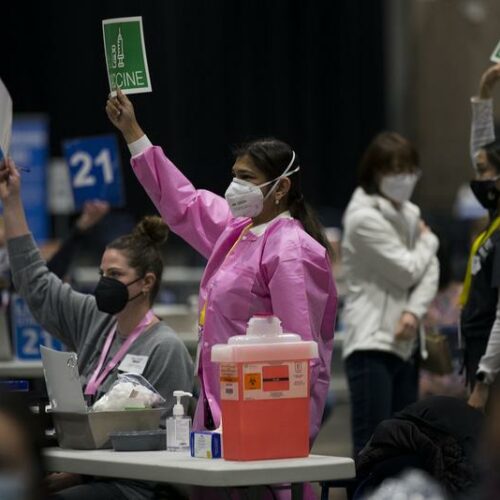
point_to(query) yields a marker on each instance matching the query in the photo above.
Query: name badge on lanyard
(133, 363)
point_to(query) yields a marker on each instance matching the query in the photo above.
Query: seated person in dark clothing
(438, 434)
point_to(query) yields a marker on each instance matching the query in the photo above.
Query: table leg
(256, 492)
(297, 491)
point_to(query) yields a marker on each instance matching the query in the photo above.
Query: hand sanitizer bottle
(178, 426)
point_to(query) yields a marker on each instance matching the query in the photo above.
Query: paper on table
(5, 120)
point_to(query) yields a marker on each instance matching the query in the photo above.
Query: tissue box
(90, 431)
(205, 444)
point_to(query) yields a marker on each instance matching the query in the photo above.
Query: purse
(438, 360)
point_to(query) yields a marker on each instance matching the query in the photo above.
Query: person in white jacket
(391, 270)
(480, 318)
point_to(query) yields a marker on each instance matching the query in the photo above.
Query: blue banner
(29, 150)
(94, 166)
(28, 334)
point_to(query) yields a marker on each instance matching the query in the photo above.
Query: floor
(335, 439)
(335, 435)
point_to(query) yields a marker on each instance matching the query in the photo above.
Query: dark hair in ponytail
(142, 248)
(271, 156)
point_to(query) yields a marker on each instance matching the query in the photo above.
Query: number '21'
(83, 178)
(33, 340)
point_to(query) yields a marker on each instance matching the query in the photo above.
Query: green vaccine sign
(495, 57)
(126, 55)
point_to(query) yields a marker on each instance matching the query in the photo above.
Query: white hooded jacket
(390, 267)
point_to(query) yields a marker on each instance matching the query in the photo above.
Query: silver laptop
(63, 381)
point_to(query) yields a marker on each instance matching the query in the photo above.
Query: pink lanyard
(96, 380)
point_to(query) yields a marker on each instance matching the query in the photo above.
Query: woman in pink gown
(265, 248)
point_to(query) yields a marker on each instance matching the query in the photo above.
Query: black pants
(102, 489)
(95, 490)
(380, 384)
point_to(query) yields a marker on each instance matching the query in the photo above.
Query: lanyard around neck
(97, 377)
(478, 243)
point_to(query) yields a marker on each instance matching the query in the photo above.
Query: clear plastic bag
(129, 391)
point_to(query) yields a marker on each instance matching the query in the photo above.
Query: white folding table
(168, 467)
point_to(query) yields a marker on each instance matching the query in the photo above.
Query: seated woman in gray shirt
(97, 326)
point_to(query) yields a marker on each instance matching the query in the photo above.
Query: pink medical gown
(284, 271)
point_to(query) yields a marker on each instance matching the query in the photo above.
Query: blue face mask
(13, 486)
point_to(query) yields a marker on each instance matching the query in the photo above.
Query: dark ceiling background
(308, 72)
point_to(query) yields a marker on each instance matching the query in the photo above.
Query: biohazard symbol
(253, 381)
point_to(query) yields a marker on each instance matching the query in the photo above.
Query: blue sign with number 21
(94, 168)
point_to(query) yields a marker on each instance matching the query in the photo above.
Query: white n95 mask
(398, 187)
(246, 199)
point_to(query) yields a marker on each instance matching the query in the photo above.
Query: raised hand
(488, 81)
(10, 180)
(93, 212)
(121, 114)
(10, 194)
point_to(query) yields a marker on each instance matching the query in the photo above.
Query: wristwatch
(485, 378)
